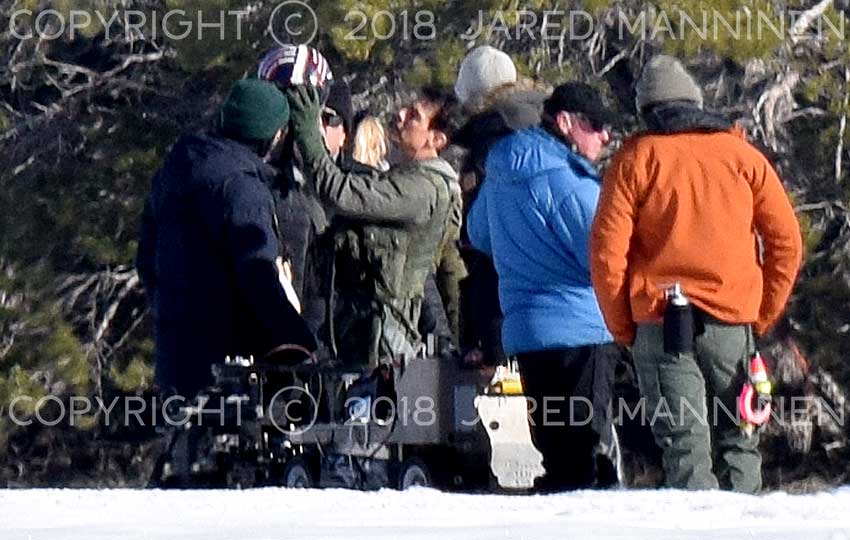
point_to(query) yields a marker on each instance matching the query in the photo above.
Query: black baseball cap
(577, 97)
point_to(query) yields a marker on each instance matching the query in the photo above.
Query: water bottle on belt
(678, 322)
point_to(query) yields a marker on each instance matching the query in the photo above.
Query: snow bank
(276, 514)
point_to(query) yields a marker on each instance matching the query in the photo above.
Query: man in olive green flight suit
(450, 266)
(399, 222)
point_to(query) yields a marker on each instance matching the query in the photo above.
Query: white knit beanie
(483, 70)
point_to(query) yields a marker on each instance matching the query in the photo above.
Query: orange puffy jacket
(686, 208)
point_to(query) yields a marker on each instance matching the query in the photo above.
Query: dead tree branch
(842, 125)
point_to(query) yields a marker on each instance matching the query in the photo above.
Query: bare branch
(23, 166)
(123, 339)
(88, 281)
(110, 312)
(807, 18)
(842, 125)
(826, 205)
(774, 106)
(95, 79)
(613, 62)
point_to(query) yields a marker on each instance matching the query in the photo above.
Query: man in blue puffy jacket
(533, 217)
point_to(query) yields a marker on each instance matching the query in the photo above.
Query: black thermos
(678, 322)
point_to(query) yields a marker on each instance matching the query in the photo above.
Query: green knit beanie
(664, 79)
(254, 110)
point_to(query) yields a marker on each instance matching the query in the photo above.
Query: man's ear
(439, 140)
(564, 122)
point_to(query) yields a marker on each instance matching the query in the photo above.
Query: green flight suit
(450, 266)
(398, 221)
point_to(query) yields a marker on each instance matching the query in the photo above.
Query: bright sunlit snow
(274, 514)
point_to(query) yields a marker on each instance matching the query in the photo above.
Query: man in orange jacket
(686, 202)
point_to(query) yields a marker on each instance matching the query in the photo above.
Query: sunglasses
(331, 119)
(596, 126)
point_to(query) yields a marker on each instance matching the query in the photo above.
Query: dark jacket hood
(683, 117)
(515, 111)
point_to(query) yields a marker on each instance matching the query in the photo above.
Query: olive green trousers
(690, 403)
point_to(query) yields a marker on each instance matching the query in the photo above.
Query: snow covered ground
(276, 514)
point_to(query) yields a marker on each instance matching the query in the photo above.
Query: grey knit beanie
(483, 70)
(665, 79)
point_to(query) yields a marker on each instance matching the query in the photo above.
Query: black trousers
(480, 313)
(568, 393)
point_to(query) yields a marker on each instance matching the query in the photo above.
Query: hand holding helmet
(304, 108)
(304, 112)
(304, 76)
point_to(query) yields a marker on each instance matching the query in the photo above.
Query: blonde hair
(370, 144)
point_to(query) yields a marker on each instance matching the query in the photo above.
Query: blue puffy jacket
(533, 216)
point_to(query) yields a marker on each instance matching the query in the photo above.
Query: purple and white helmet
(291, 65)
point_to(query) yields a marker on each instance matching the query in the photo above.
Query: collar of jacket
(441, 167)
(578, 161)
(683, 117)
(247, 156)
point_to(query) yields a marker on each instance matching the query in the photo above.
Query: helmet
(291, 65)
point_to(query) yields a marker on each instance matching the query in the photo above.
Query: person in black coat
(209, 248)
(304, 221)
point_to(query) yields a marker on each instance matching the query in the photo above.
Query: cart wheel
(414, 473)
(297, 474)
